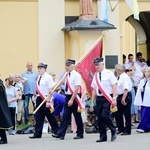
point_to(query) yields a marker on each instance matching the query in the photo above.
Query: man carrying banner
(44, 84)
(104, 91)
(72, 103)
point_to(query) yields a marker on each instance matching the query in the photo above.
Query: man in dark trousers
(5, 118)
(124, 100)
(44, 84)
(104, 91)
(72, 86)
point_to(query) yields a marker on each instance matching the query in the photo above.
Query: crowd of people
(139, 73)
(127, 90)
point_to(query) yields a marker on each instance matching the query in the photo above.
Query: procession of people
(126, 90)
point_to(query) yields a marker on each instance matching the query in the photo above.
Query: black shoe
(3, 142)
(78, 137)
(113, 137)
(58, 136)
(125, 133)
(55, 136)
(136, 121)
(101, 140)
(34, 137)
(119, 132)
(62, 138)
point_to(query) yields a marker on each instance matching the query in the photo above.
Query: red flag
(86, 66)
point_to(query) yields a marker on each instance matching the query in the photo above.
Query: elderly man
(43, 86)
(29, 88)
(104, 86)
(124, 101)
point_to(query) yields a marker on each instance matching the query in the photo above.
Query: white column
(51, 37)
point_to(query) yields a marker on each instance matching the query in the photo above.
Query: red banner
(86, 67)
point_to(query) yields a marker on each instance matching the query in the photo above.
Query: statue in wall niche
(86, 8)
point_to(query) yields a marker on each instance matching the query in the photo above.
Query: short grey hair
(119, 67)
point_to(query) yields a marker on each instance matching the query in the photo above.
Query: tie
(100, 80)
(132, 82)
(39, 80)
(100, 76)
(142, 93)
(144, 86)
(118, 78)
(66, 88)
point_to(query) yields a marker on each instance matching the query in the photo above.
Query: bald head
(29, 66)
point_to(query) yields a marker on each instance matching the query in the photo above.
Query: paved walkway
(136, 141)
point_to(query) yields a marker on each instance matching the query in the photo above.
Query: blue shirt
(59, 101)
(30, 85)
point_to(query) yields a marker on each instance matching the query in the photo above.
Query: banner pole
(50, 95)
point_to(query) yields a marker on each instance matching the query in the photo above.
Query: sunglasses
(130, 69)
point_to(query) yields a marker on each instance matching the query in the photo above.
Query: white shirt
(19, 86)
(139, 69)
(146, 99)
(107, 80)
(128, 65)
(124, 82)
(46, 83)
(10, 93)
(74, 80)
(137, 63)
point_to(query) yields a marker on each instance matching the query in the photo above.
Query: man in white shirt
(124, 101)
(140, 64)
(130, 63)
(44, 84)
(104, 80)
(72, 86)
(138, 58)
